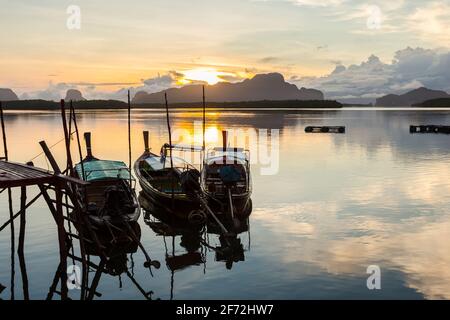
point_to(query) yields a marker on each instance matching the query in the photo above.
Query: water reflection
(187, 245)
(376, 195)
(110, 252)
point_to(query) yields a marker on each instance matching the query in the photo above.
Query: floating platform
(430, 129)
(325, 129)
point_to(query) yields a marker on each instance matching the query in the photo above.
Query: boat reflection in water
(195, 238)
(114, 258)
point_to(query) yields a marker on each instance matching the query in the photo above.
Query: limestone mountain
(410, 98)
(74, 95)
(270, 86)
(7, 95)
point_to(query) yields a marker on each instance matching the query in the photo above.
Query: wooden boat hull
(242, 205)
(179, 208)
(178, 204)
(122, 207)
(102, 221)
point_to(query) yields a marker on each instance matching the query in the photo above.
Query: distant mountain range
(263, 90)
(410, 98)
(271, 86)
(7, 95)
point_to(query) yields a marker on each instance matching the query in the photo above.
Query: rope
(53, 145)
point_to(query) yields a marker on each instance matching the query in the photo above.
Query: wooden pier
(69, 210)
(23, 176)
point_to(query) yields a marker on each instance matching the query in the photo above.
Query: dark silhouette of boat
(164, 180)
(187, 245)
(109, 197)
(226, 180)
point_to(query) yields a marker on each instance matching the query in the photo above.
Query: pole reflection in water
(113, 248)
(194, 240)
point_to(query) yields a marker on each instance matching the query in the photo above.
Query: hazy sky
(167, 42)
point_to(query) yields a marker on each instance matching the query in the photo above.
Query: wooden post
(204, 126)
(11, 217)
(62, 236)
(66, 138)
(20, 248)
(129, 137)
(50, 157)
(146, 145)
(72, 110)
(170, 145)
(54, 283)
(5, 147)
(169, 129)
(96, 279)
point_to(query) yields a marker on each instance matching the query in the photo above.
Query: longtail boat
(109, 196)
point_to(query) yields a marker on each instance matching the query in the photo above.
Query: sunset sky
(154, 44)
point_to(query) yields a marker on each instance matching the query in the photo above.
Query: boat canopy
(231, 153)
(219, 160)
(96, 170)
(160, 163)
(183, 147)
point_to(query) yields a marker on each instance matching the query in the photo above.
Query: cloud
(53, 92)
(431, 22)
(268, 59)
(318, 3)
(410, 69)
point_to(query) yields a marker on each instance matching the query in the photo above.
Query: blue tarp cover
(103, 169)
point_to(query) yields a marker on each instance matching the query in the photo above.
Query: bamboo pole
(169, 129)
(129, 136)
(50, 157)
(13, 272)
(170, 145)
(20, 211)
(80, 153)
(66, 138)
(62, 236)
(20, 249)
(204, 128)
(5, 146)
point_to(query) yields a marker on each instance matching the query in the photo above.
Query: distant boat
(164, 179)
(226, 179)
(109, 196)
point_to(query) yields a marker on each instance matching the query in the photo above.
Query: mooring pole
(204, 127)
(80, 153)
(20, 248)
(129, 136)
(170, 144)
(5, 146)
(11, 217)
(169, 129)
(11, 213)
(66, 138)
(50, 157)
(62, 236)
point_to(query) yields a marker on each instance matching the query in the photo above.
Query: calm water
(338, 203)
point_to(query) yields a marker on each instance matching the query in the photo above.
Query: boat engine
(117, 202)
(190, 181)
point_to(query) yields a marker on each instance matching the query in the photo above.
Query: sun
(210, 76)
